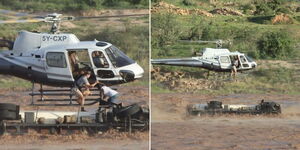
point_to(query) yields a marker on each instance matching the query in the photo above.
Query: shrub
(248, 8)
(189, 2)
(275, 45)
(283, 10)
(165, 30)
(270, 7)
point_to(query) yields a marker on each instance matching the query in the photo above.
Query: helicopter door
(244, 62)
(79, 62)
(56, 66)
(101, 65)
(224, 62)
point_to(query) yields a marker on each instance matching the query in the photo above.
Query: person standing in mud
(235, 64)
(81, 88)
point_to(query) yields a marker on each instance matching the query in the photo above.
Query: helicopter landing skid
(60, 97)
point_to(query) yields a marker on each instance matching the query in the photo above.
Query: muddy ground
(172, 129)
(106, 140)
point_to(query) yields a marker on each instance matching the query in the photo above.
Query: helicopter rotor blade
(200, 41)
(111, 16)
(21, 21)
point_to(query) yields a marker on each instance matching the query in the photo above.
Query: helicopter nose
(131, 72)
(138, 71)
(254, 65)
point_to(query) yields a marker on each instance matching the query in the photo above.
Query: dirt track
(107, 140)
(171, 129)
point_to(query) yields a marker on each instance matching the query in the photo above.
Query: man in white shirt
(110, 94)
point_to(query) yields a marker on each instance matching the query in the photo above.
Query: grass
(70, 5)
(259, 81)
(244, 33)
(12, 83)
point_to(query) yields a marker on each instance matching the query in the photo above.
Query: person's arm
(88, 85)
(95, 83)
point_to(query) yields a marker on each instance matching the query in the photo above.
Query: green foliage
(248, 8)
(165, 30)
(276, 76)
(275, 45)
(213, 31)
(263, 9)
(110, 2)
(189, 2)
(270, 7)
(71, 5)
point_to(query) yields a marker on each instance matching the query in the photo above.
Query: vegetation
(70, 5)
(275, 45)
(253, 34)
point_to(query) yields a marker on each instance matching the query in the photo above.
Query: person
(74, 61)
(98, 60)
(234, 65)
(81, 88)
(110, 94)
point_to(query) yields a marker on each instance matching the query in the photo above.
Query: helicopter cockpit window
(99, 59)
(117, 57)
(56, 59)
(224, 59)
(243, 59)
(249, 58)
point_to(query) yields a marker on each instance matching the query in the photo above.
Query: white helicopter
(215, 59)
(57, 59)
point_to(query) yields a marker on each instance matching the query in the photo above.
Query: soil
(173, 129)
(282, 19)
(107, 140)
(226, 11)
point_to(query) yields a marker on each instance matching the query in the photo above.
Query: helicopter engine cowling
(127, 75)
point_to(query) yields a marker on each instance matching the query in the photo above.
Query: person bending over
(82, 87)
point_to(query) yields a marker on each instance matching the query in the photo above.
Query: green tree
(165, 30)
(276, 45)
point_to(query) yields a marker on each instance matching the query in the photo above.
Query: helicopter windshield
(249, 58)
(117, 57)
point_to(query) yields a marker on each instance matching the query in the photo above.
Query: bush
(165, 30)
(189, 2)
(213, 31)
(275, 45)
(263, 9)
(270, 7)
(248, 8)
(283, 10)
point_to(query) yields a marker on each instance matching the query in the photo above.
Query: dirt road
(171, 129)
(106, 140)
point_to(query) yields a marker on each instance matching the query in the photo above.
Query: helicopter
(58, 59)
(213, 59)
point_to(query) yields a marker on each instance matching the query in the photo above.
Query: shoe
(83, 110)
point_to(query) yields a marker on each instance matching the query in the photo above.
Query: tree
(275, 45)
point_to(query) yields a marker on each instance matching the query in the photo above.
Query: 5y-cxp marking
(54, 38)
